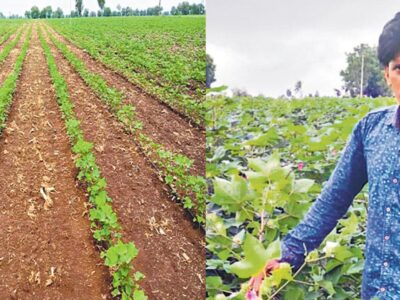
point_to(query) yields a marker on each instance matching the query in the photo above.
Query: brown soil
(160, 123)
(172, 252)
(36, 242)
(11, 37)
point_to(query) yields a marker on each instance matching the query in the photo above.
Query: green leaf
(302, 185)
(284, 272)
(139, 295)
(254, 261)
(264, 139)
(214, 285)
(233, 192)
(294, 293)
(342, 253)
(328, 286)
(255, 257)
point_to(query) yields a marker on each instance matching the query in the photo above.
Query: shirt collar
(393, 117)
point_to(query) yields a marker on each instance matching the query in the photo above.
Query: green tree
(107, 12)
(154, 11)
(202, 9)
(28, 14)
(374, 84)
(35, 13)
(297, 89)
(184, 8)
(101, 4)
(86, 13)
(174, 11)
(46, 12)
(79, 7)
(58, 13)
(210, 71)
(43, 13)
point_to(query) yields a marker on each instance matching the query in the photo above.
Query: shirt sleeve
(346, 181)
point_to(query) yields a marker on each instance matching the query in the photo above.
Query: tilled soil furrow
(7, 66)
(172, 254)
(46, 251)
(11, 37)
(160, 123)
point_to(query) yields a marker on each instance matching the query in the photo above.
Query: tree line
(47, 12)
(363, 57)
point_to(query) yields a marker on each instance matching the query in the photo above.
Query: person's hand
(255, 282)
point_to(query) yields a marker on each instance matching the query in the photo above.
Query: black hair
(389, 41)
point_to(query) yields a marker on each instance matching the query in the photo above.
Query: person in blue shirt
(372, 154)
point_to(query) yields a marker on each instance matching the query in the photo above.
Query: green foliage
(210, 71)
(79, 7)
(35, 12)
(255, 257)
(8, 28)
(262, 187)
(374, 84)
(165, 57)
(118, 255)
(10, 46)
(10, 83)
(174, 168)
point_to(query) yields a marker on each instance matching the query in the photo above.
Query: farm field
(164, 56)
(102, 182)
(267, 161)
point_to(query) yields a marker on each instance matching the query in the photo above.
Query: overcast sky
(265, 46)
(20, 6)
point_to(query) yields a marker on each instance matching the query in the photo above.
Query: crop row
(163, 56)
(7, 28)
(268, 160)
(6, 36)
(173, 168)
(8, 86)
(11, 45)
(117, 255)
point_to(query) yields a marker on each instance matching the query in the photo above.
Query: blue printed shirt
(372, 154)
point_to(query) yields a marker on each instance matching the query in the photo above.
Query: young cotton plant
(118, 258)
(174, 168)
(118, 255)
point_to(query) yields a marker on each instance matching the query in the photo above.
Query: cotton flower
(251, 295)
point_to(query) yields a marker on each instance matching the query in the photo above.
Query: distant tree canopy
(58, 13)
(101, 4)
(79, 7)
(35, 13)
(107, 12)
(374, 84)
(46, 12)
(184, 8)
(210, 71)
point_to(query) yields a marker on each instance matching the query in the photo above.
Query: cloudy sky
(20, 6)
(265, 46)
